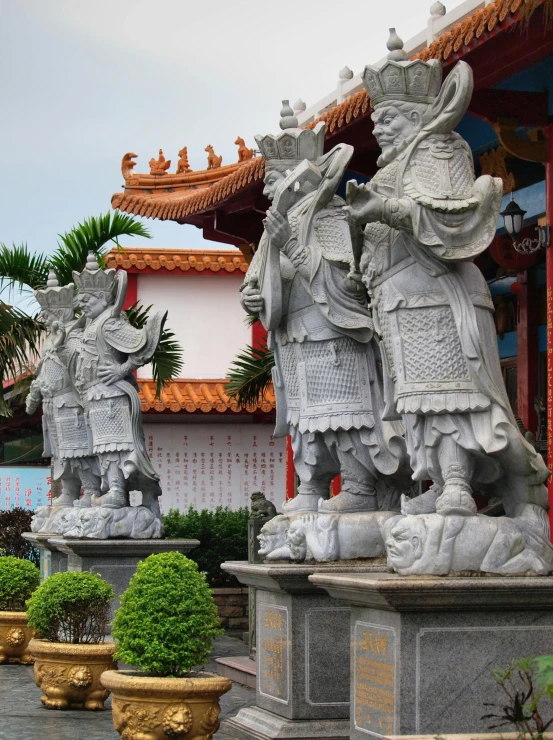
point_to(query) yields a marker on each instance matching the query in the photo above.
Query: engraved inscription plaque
(272, 647)
(374, 702)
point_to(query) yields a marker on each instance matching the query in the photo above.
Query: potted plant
(18, 579)
(70, 614)
(164, 626)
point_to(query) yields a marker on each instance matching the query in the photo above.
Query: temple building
(509, 46)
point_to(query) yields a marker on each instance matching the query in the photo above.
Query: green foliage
(71, 607)
(249, 375)
(19, 341)
(223, 535)
(167, 359)
(13, 523)
(167, 617)
(18, 579)
(526, 682)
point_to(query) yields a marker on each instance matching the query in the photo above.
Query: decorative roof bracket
(533, 149)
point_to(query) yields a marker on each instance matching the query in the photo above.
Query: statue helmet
(54, 296)
(287, 149)
(94, 279)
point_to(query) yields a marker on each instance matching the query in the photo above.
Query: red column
(259, 335)
(527, 349)
(549, 271)
(290, 470)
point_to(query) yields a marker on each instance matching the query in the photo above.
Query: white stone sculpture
(90, 400)
(304, 286)
(66, 437)
(425, 218)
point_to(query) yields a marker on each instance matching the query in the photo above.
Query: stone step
(240, 668)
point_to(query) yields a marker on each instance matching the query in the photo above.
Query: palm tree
(20, 268)
(249, 374)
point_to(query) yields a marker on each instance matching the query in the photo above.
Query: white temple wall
(209, 465)
(205, 315)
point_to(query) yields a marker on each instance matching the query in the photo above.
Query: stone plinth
(302, 654)
(51, 559)
(423, 648)
(114, 560)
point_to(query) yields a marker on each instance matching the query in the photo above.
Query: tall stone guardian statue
(66, 437)
(301, 284)
(111, 350)
(425, 219)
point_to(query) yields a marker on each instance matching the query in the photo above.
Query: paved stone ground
(22, 716)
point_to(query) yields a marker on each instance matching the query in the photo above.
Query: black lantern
(513, 217)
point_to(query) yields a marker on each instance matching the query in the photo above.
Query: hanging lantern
(513, 218)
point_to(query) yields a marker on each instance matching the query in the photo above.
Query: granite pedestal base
(114, 560)
(51, 559)
(302, 654)
(423, 648)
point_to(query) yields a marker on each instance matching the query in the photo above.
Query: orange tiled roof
(458, 40)
(156, 258)
(196, 395)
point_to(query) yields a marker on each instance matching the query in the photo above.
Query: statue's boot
(113, 499)
(63, 500)
(423, 504)
(85, 502)
(307, 498)
(347, 502)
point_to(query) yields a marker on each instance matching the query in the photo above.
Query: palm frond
(19, 344)
(90, 236)
(250, 375)
(19, 268)
(167, 359)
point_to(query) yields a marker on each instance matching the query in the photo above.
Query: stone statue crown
(294, 144)
(93, 279)
(400, 79)
(55, 296)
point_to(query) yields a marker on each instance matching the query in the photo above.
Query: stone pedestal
(114, 560)
(423, 648)
(51, 559)
(302, 654)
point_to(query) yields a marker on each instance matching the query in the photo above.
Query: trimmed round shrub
(18, 579)
(167, 617)
(71, 607)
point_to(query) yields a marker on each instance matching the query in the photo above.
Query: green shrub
(71, 607)
(167, 617)
(18, 580)
(13, 523)
(223, 535)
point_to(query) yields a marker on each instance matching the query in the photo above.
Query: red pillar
(259, 335)
(527, 349)
(549, 271)
(290, 470)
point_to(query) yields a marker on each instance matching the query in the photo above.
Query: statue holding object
(302, 285)
(425, 219)
(90, 401)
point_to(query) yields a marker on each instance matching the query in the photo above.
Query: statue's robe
(434, 311)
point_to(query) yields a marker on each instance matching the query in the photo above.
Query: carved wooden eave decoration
(493, 163)
(533, 149)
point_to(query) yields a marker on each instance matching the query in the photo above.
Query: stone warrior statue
(66, 436)
(301, 285)
(426, 219)
(111, 350)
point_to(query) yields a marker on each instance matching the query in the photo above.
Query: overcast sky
(84, 81)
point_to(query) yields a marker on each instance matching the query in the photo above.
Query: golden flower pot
(148, 708)
(69, 675)
(15, 635)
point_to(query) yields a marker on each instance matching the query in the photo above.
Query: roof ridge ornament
(395, 48)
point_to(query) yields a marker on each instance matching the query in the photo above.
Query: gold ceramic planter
(15, 635)
(147, 708)
(69, 675)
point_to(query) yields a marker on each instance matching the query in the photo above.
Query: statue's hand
(113, 372)
(252, 300)
(363, 205)
(58, 334)
(277, 228)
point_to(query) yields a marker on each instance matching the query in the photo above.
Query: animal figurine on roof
(243, 152)
(183, 165)
(213, 161)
